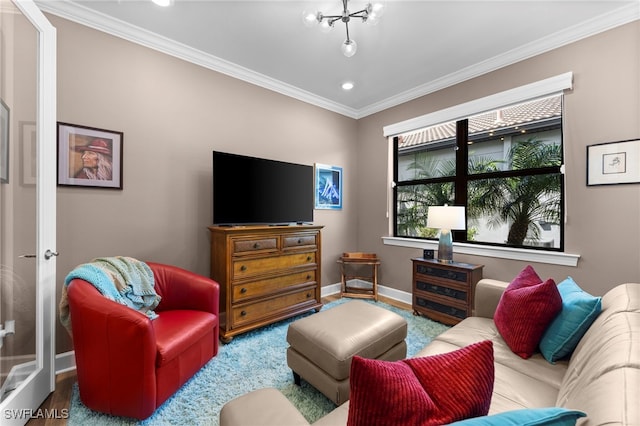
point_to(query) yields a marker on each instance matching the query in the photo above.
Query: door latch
(9, 329)
(49, 254)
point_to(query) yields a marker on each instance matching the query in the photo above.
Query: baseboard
(330, 290)
(391, 293)
(65, 361)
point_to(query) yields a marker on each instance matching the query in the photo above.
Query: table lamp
(446, 218)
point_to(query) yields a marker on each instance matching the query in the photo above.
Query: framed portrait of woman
(90, 157)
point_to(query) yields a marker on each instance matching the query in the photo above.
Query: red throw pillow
(526, 308)
(425, 391)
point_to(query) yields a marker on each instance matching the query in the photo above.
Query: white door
(27, 211)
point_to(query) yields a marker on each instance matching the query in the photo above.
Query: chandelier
(370, 14)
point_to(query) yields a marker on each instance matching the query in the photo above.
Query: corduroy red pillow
(424, 391)
(526, 308)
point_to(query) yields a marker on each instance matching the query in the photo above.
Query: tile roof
(516, 115)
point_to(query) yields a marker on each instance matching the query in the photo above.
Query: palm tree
(520, 201)
(413, 201)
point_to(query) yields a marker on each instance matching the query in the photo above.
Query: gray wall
(603, 222)
(173, 114)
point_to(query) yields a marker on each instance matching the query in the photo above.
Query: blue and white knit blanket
(122, 279)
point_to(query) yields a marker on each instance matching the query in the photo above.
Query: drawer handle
(299, 241)
(256, 245)
(243, 268)
(308, 276)
(308, 258)
(243, 290)
(243, 313)
(308, 295)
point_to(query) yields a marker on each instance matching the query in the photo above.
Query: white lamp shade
(446, 217)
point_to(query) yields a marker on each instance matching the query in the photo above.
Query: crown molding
(616, 18)
(101, 22)
(107, 24)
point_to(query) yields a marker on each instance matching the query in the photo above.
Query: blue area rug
(250, 361)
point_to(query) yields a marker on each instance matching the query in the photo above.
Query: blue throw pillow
(552, 416)
(579, 310)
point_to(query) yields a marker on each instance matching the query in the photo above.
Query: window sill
(550, 257)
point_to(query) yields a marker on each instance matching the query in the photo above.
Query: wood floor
(57, 402)
(59, 399)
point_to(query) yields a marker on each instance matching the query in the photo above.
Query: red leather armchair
(127, 364)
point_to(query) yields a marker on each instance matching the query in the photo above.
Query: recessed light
(163, 3)
(347, 85)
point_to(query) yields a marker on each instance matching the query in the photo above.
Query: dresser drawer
(243, 268)
(446, 274)
(271, 285)
(442, 290)
(252, 245)
(446, 313)
(298, 240)
(270, 307)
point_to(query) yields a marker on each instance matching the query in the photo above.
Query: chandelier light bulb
(311, 18)
(349, 48)
(326, 26)
(374, 12)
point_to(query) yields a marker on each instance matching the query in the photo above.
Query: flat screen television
(250, 190)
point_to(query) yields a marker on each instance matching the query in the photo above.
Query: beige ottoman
(321, 345)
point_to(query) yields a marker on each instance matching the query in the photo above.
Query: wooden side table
(444, 291)
(351, 268)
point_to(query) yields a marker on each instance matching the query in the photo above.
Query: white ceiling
(418, 46)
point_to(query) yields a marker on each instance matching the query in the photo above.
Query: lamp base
(445, 247)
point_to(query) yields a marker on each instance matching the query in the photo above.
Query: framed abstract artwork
(89, 157)
(328, 187)
(613, 163)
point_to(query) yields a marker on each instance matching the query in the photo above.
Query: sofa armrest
(487, 296)
(182, 289)
(265, 407)
(115, 351)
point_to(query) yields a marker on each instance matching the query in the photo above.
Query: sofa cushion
(422, 391)
(603, 375)
(173, 338)
(550, 416)
(579, 310)
(526, 308)
(518, 383)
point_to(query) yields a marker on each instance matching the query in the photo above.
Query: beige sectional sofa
(601, 378)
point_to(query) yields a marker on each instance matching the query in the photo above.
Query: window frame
(461, 180)
(547, 87)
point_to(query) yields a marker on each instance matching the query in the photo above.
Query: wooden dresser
(266, 274)
(444, 291)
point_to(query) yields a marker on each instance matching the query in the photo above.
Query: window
(504, 166)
